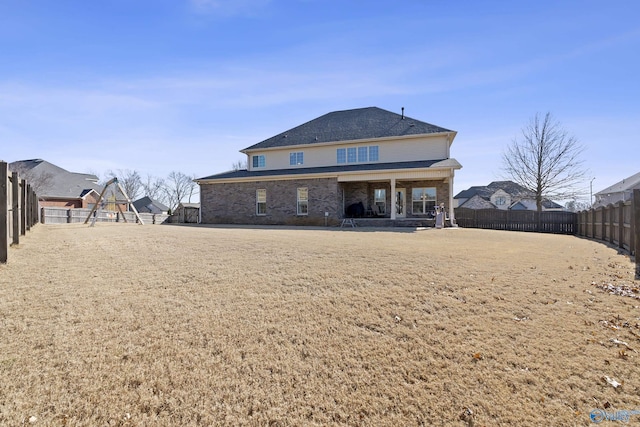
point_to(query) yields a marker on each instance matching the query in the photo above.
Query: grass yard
(126, 325)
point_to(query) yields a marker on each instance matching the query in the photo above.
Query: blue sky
(182, 85)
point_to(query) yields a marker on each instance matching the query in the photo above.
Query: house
(619, 192)
(148, 205)
(391, 166)
(57, 187)
(186, 213)
(504, 195)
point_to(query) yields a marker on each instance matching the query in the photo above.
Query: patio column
(393, 198)
(452, 213)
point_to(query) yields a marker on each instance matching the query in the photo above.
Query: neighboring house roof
(550, 204)
(243, 173)
(477, 202)
(51, 181)
(481, 191)
(189, 205)
(486, 191)
(523, 198)
(530, 205)
(147, 204)
(510, 187)
(525, 205)
(630, 183)
(350, 125)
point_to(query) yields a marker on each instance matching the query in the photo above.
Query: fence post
(636, 221)
(35, 206)
(15, 203)
(621, 224)
(23, 207)
(32, 207)
(612, 209)
(4, 213)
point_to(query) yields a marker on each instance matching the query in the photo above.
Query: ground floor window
(380, 201)
(261, 201)
(303, 201)
(423, 200)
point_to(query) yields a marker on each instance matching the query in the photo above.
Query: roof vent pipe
(402, 113)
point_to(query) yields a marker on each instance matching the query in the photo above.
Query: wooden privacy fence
(53, 215)
(18, 209)
(510, 220)
(617, 224)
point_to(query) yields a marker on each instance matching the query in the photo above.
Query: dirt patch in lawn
(167, 325)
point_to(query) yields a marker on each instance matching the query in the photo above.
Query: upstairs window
(258, 161)
(351, 155)
(357, 154)
(362, 154)
(373, 153)
(296, 158)
(501, 201)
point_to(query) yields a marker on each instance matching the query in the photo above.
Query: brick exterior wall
(78, 203)
(235, 203)
(442, 193)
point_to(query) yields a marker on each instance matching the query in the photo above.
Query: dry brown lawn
(125, 325)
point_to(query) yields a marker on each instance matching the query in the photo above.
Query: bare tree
(178, 186)
(130, 181)
(546, 161)
(239, 165)
(153, 187)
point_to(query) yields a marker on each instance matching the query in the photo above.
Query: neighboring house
(186, 213)
(397, 167)
(148, 205)
(621, 191)
(57, 187)
(504, 195)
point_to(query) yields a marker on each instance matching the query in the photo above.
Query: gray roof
(189, 205)
(626, 184)
(522, 196)
(350, 125)
(509, 187)
(143, 204)
(530, 204)
(480, 191)
(51, 181)
(243, 173)
(477, 202)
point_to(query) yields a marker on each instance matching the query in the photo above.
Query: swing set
(97, 208)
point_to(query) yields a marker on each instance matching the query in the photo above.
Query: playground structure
(101, 202)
